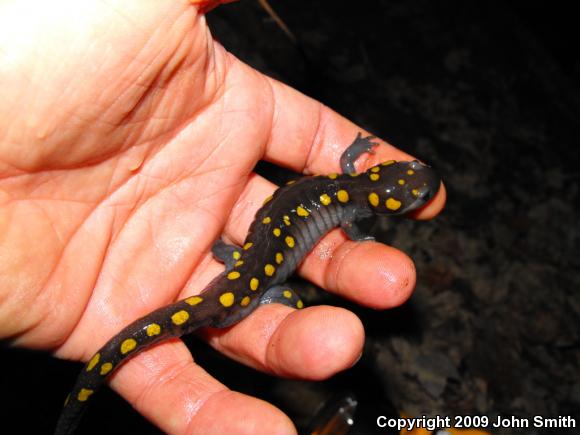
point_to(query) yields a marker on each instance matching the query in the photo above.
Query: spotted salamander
(285, 229)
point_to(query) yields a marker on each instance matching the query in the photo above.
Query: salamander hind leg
(227, 254)
(281, 294)
(360, 146)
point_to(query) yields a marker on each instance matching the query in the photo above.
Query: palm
(124, 154)
(120, 155)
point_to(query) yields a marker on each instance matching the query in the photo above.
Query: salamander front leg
(350, 226)
(354, 232)
(281, 294)
(227, 254)
(360, 146)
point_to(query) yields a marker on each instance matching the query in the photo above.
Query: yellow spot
(279, 257)
(269, 269)
(234, 274)
(354, 174)
(84, 394)
(193, 300)
(153, 329)
(227, 299)
(342, 195)
(375, 169)
(236, 255)
(374, 177)
(245, 301)
(410, 172)
(401, 181)
(277, 232)
(332, 176)
(290, 241)
(324, 199)
(128, 345)
(387, 163)
(415, 192)
(267, 220)
(301, 211)
(106, 368)
(180, 317)
(393, 204)
(290, 182)
(287, 294)
(299, 304)
(238, 263)
(267, 200)
(247, 246)
(286, 220)
(93, 362)
(254, 283)
(374, 199)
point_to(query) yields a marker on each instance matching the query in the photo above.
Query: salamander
(285, 229)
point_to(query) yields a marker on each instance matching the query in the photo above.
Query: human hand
(127, 143)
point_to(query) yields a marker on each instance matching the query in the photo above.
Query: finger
(167, 387)
(369, 273)
(313, 343)
(308, 137)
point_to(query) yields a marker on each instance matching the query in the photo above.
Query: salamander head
(401, 187)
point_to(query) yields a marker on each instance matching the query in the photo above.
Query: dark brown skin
(116, 176)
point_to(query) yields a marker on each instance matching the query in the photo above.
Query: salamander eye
(415, 165)
(422, 193)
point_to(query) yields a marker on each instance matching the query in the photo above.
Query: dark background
(486, 92)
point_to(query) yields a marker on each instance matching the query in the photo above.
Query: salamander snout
(426, 182)
(401, 187)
